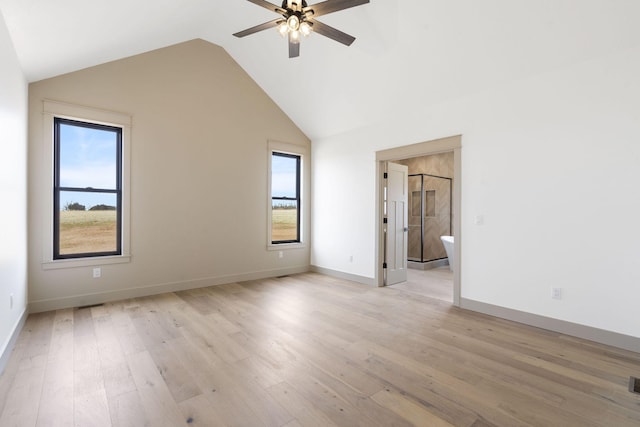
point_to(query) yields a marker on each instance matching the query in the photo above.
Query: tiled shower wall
(435, 164)
(438, 212)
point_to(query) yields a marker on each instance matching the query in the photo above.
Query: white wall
(551, 162)
(13, 190)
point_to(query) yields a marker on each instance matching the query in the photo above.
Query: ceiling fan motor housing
(294, 6)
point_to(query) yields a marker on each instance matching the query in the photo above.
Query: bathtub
(447, 241)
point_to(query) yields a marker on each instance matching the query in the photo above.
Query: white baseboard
(11, 341)
(121, 294)
(626, 342)
(342, 275)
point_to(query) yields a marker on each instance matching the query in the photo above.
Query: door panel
(397, 223)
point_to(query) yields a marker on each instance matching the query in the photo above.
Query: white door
(397, 225)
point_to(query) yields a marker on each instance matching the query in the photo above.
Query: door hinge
(385, 176)
(384, 265)
(384, 221)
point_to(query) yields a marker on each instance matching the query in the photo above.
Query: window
(87, 205)
(285, 198)
(84, 195)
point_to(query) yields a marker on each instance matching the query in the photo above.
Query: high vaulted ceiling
(407, 53)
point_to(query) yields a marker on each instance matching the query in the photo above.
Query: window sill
(85, 262)
(285, 246)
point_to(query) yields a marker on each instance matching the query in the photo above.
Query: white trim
(141, 291)
(370, 281)
(11, 340)
(283, 246)
(52, 109)
(626, 342)
(85, 262)
(303, 152)
(95, 115)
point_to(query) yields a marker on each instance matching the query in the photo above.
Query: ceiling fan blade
(269, 6)
(265, 26)
(332, 33)
(330, 6)
(294, 49)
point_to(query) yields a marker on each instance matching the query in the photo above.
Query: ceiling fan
(298, 19)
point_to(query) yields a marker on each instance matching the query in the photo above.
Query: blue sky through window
(283, 176)
(88, 158)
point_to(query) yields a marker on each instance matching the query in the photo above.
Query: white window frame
(303, 152)
(51, 110)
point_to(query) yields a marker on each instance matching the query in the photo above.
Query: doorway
(450, 145)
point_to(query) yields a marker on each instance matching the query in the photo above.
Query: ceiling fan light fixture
(293, 22)
(294, 36)
(283, 29)
(305, 29)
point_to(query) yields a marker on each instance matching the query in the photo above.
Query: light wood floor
(433, 283)
(307, 350)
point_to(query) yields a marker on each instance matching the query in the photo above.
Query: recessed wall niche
(429, 203)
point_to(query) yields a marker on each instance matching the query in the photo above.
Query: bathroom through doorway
(433, 211)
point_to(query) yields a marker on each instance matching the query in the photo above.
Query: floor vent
(634, 385)
(90, 306)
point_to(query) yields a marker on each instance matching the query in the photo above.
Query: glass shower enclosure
(430, 212)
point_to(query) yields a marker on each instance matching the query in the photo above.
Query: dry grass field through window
(87, 231)
(284, 224)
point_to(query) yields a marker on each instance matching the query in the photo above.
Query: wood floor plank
(198, 412)
(259, 370)
(303, 410)
(21, 408)
(57, 400)
(407, 409)
(90, 405)
(457, 406)
(159, 406)
(127, 411)
(91, 408)
(308, 350)
(178, 379)
(22, 401)
(115, 370)
(216, 340)
(209, 371)
(570, 386)
(124, 328)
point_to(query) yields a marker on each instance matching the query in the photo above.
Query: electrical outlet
(97, 272)
(350, 258)
(280, 254)
(556, 293)
(10, 301)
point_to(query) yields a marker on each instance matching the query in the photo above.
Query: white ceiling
(407, 53)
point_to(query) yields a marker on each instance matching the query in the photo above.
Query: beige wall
(200, 127)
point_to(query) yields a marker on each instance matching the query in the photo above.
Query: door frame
(436, 146)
